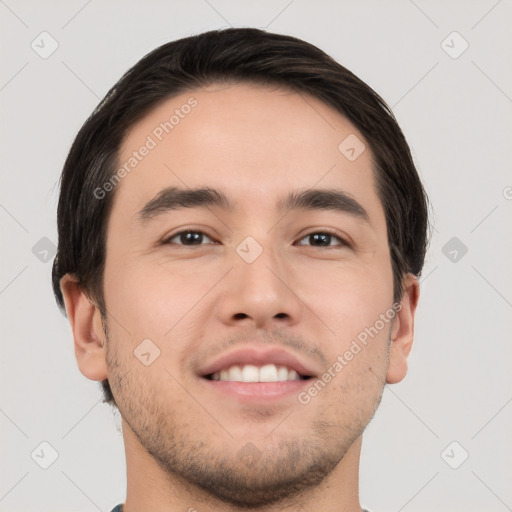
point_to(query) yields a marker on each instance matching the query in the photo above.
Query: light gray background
(456, 114)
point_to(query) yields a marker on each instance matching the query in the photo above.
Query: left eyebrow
(324, 199)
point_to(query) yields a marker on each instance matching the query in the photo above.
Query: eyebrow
(323, 199)
(174, 198)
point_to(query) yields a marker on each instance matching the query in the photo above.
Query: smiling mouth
(254, 373)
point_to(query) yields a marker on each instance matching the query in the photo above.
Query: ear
(88, 334)
(402, 332)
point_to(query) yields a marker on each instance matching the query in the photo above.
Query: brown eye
(322, 239)
(188, 238)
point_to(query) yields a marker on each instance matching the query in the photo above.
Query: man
(241, 229)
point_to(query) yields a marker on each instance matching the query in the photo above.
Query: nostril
(240, 316)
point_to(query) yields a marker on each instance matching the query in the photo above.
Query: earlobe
(403, 331)
(88, 335)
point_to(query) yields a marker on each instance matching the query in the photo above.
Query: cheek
(356, 303)
(152, 298)
(348, 297)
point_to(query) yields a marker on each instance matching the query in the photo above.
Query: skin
(182, 439)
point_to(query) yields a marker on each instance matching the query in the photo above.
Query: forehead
(254, 142)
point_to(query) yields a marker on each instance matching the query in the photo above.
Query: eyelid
(167, 239)
(343, 239)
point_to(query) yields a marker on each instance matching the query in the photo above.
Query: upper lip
(258, 356)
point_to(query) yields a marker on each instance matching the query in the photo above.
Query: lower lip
(256, 391)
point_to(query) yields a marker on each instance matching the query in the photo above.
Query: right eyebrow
(173, 198)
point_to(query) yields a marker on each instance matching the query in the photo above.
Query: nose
(260, 294)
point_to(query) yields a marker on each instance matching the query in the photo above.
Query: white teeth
(282, 373)
(268, 373)
(235, 374)
(252, 373)
(293, 375)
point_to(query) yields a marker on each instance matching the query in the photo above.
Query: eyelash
(323, 232)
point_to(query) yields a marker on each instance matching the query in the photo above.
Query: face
(249, 383)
